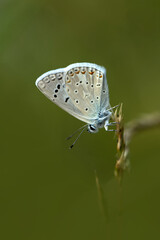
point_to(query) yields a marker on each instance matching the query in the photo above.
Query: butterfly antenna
(78, 137)
(76, 132)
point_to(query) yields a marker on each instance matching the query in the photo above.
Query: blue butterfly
(80, 89)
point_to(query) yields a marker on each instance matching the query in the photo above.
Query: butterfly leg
(111, 130)
(107, 124)
(112, 123)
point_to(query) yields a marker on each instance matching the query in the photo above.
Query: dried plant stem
(101, 198)
(103, 206)
(144, 123)
(125, 134)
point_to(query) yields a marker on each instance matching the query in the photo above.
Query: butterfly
(81, 90)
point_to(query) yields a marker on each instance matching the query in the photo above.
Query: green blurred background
(47, 191)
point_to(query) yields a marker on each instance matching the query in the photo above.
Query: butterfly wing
(104, 104)
(87, 87)
(76, 89)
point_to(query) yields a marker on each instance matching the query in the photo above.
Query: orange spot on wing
(68, 81)
(91, 73)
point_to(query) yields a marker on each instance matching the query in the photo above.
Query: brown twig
(125, 134)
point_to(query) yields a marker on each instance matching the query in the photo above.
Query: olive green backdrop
(46, 190)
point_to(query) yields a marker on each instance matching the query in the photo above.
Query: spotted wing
(86, 86)
(52, 85)
(77, 89)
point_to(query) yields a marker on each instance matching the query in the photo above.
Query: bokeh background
(46, 190)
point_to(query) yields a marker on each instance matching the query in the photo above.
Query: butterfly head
(102, 121)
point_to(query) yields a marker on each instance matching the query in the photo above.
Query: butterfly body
(80, 89)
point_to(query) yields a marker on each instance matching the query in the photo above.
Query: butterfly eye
(104, 91)
(71, 73)
(76, 91)
(77, 101)
(76, 70)
(83, 70)
(91, 101)
(59, 76)
(52, 77)
(86, 109)
(91, 71)
(41, 84)
(92, 129)
(98, 85)
(46, 79)
(91, 85)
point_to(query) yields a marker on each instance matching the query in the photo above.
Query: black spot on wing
(66, 100)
